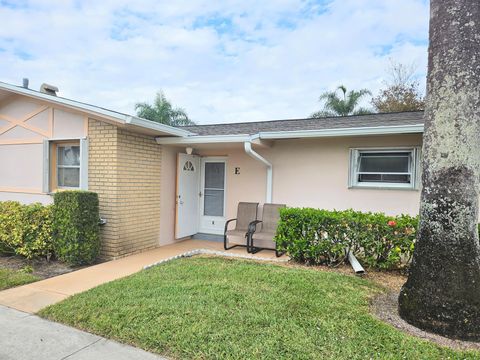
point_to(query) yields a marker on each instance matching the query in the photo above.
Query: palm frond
(363, 111)
(341, 105)
(322, 114)
(162, 111)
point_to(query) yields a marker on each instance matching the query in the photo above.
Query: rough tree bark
(442, 293)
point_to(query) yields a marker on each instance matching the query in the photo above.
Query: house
(158, 184)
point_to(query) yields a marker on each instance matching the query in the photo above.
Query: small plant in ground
(27, 269)
(10, 278)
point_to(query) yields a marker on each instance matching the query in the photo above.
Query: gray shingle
(357, 121)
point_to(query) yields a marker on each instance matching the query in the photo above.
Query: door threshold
(209, 237)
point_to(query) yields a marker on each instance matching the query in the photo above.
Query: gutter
(358, 131)
(293, 134)
(203, 139)
(258, 157)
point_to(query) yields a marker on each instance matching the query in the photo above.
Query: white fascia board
(377, 130)
(95, 110)
(295, 134)
(152, 125)
(204, 139)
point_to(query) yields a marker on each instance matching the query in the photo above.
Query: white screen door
(212, 202)
(187, 196)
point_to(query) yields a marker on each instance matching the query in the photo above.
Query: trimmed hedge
(315, 236)
(26, 229)
(76, 229)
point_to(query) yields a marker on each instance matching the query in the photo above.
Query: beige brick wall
(125, 171)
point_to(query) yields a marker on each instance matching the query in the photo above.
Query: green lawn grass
(10, 278)
(215, 308)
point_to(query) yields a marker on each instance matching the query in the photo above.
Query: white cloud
(229, 60)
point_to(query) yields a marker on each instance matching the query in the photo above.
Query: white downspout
(258, 157)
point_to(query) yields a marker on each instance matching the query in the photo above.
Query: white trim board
(296, 134)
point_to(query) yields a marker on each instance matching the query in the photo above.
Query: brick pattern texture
(124, 168)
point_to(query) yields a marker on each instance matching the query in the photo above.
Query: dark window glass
(214, 175)
(384, 167)
(385, 178)
(384, 162)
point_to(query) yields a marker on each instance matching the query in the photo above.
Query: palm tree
(343, 105)
(162, 111)
(442, 293)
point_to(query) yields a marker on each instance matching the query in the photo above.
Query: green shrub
(76, 232)
(385, 242)
(316, 236)
(26, 229)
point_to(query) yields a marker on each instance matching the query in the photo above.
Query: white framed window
(65, 165)
(389, 168)
(68, 165)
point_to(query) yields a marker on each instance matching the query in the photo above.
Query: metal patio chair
(246, 213)
(262, 232)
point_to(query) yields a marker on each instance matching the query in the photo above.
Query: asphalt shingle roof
(356, 121)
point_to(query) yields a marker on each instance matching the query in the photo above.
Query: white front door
(187, 196)
(212, 200)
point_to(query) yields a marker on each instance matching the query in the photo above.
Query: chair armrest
(226, 225)
(252, 227)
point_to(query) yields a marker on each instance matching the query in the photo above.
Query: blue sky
(223, 61)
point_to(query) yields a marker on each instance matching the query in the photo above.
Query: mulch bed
(385, 308)
(41, 268)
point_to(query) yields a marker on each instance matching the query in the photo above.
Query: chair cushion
(235, 233)
(263, 239)
(236, 237)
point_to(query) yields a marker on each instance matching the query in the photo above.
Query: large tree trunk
(442, 293)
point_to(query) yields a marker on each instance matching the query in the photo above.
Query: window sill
(62, 189)
(386, 187)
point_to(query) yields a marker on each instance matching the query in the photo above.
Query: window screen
(214, 189)
(389, 168)
(384, 167)
(68, 166)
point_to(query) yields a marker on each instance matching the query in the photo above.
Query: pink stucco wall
(306, 173)
(167, 195)
(21, 149)
(314, 173)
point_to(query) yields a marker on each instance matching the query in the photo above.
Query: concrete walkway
(28, 337)
(33, 297)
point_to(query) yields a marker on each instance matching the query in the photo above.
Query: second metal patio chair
(261, 233)
(246, 213)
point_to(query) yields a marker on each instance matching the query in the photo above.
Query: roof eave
(358, 131)
(129, 121)
(294, 134)
(204, 139)
(155, 128)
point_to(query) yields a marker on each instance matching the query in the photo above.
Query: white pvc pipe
(258, 157)
(357, 267)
